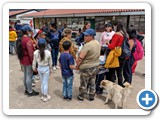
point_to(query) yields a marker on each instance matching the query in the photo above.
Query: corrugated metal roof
(52, 12)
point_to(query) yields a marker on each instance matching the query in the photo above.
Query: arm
(71, 63)
(80, 58)
(50, 61)
(73, 51)
(113, 43)
(48, 39)
(101, 39)
(15, 34)
(30, 50)
(131, 44)
(60, 46)
(140, 37)
(34, 63)
(73, 67)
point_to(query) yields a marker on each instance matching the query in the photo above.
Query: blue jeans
(12, 44)
(55, 56)
(67, 86)
(44, 73)
(28, 73)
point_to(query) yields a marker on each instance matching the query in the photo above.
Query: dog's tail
(127, 88)
(126, 91)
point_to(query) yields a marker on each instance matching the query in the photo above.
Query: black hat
(53, 24)
(108, 25)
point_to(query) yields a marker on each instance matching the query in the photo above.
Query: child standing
(102, 71)
(44, 60)
(66, 61)
(43, 35)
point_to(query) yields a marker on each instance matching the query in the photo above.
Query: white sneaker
(57, 67)
(42, 97)
(45, 99)
(54, 68)
(33, 84)
(36, 81)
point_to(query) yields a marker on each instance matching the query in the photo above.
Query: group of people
(39, 54)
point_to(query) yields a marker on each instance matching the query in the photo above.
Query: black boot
(33, 93)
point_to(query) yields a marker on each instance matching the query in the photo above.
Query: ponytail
(19, 45)
(41, 51)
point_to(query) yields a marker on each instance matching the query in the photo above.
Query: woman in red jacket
(25, 51)
(116, 41)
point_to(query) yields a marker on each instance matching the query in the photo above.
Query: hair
(19, 44)
(85, 23)
(66, 45)
(53, 24)
(79, 30)
(110, 29)
(103, 50)
(120, 27)
(66, 32)
(132, 33)
(41, 51)
(10, 27)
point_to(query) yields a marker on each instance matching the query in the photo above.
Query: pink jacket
(106, 36)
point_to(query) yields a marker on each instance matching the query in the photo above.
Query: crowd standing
(95, 60)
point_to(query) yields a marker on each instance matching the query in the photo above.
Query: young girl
(102, 71)
(67, 37)
(107, 34)
(44, 60)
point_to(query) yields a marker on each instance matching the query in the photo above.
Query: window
(138, 22)
(99, 24)
(123, 19)
(60, 22)
(39, 22)
(75, 23)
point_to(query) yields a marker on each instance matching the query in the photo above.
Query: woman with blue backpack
(117, 41)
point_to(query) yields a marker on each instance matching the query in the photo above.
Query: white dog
(116, 93)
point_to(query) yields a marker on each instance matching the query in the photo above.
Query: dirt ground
(17, 99)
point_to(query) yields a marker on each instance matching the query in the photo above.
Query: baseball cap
(40, 32)
(90, 32)
(26, 28)
(41, 41)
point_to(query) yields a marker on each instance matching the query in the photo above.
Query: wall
(98, 36)
(25, 20)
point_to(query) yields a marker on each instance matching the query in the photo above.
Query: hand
(77, 67)
(35, 70)
(107, 42)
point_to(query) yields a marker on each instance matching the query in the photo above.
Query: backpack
(126, 53)
(139, 52)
